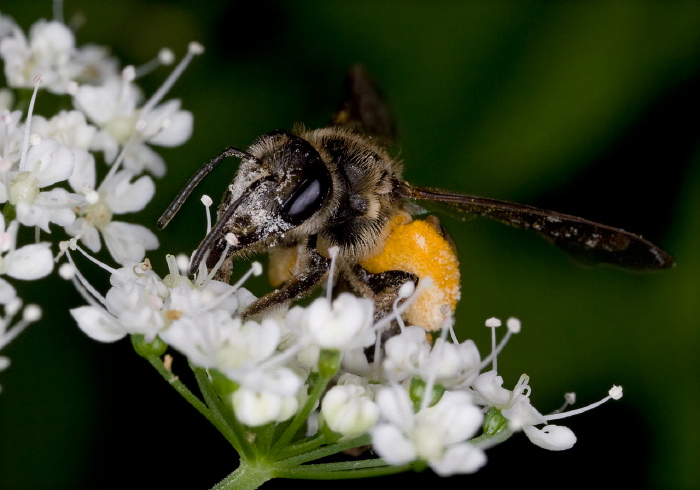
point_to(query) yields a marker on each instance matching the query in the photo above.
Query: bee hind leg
(382, 288)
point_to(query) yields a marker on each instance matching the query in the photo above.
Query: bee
(297, 194)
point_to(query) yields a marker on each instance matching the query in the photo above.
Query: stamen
(66, 271)
(16, 329)
(74, 246)
(493, 323)
(183, 264)
(120, 158)
(405, 291)
(28, 122)
(433, 361)
(202, 265)
(165, 57)
(192, 50)
(206, 200)
(86, 289)
(569, 399)
(333, 253)
(615, 393)
(255, 270)
(494, 352)
(31, 313)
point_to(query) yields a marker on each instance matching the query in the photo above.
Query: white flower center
(98, 214)
(24, 188)
(121, 127)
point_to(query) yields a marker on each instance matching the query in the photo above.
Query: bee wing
(363, 109)
(586, 240)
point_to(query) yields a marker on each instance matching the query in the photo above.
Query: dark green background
(590, 108)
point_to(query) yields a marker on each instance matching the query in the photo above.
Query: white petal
(255, 409)
(459, 459)
(7, 292)
(29, 262)
(177, 131)
(396, 406)
(98, 324)
(55, 162)
(552, 437)
(391, 444)
(140, 157)
(84, 174)
(128, 242)
(31, 215)
(128, 197)
(489, 385)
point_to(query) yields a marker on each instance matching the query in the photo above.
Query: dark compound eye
(306, 199)
(314, 182)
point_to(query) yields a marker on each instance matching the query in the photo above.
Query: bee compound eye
(307, 198)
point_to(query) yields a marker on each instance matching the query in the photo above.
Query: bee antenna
(180, 199)
(215, 232)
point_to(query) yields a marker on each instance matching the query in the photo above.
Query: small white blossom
(438, 435)
(69, 128)
(409, 355)
(256, 408)
(114, 108)
(133, 305)
(46, 163)
(47, 52)
(341, 325)
(348, 408)
(126, 242)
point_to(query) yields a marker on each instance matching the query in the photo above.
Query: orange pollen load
(420, 248)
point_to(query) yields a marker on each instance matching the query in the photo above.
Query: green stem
(302, 415)
(180, 387)
(246, 477)
(324, 451)
(343, 471)
(214, 417)
(233, 431)
(303, 446)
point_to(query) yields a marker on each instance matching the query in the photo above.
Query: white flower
(515, 406)
(11, 137)
(343, 325)
(47, 52)
(438, 435)
(93, 65)
(114, 108)
(348, 408)
(69, 128)
(46, 164)
(552, 437)
(133, 305)
(126, 242)
(451, 365)
(255, 408)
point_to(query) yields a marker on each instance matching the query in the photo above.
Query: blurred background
(589, 108)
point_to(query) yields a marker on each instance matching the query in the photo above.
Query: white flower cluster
(420, 401)
(50, 172)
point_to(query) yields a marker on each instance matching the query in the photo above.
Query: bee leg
(300, 285)
(382, 288)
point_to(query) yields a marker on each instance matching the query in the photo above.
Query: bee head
(280, 185)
